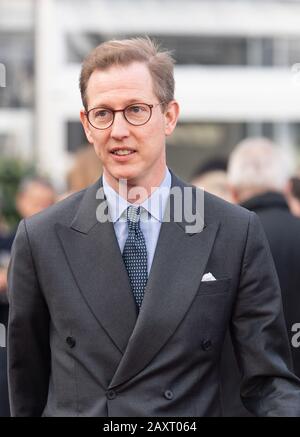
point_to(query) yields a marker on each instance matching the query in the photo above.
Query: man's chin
(130, 180)
(129, 177)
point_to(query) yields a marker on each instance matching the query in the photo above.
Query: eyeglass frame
(123, 111)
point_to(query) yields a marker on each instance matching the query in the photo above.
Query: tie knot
(133, 216)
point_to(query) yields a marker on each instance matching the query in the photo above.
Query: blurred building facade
(237, 72)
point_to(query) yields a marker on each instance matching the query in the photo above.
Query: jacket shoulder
(217, 208)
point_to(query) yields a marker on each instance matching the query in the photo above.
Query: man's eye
(136, 109)
(101, 113)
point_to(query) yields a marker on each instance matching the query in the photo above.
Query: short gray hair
(258, 163)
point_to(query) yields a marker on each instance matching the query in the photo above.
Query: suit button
(111, 394)
(206, 345)
(168, 394)
(71, 341)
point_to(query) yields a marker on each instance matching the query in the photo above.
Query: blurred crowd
(255, 176)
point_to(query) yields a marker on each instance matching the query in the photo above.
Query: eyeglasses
(136, 114)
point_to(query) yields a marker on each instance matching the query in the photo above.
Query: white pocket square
(208, 277)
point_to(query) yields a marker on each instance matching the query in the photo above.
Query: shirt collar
(155, 204)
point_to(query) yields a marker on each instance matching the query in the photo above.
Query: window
(17, 52)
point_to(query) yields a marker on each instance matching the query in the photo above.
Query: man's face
(35, 199)
(116, 88)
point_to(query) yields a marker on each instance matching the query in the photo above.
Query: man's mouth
(122, 152)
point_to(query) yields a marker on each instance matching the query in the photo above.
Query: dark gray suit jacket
(77, 347)
(283, 233)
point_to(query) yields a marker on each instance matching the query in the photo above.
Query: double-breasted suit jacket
(77, 346)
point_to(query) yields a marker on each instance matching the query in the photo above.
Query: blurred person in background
(211, 175)
(259, 173)
(293, 195)
(4, 259)
(112, 314)
(34, 195)
(5, 246)
(6, 240)
(86, 169)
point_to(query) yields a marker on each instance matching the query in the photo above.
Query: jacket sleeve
(28, 332)
(269, 388)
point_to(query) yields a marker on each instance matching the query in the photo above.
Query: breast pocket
(214, 287)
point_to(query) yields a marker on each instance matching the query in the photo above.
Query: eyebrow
(128, 102)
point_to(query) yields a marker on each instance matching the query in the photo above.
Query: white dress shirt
(152, 213)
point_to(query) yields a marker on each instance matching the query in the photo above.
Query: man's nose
(120, 127)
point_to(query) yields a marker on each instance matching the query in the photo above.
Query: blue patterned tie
(135, 255)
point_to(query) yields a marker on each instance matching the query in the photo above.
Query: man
(5, 246)
(127, 316)
(259, 175)
(34, 195)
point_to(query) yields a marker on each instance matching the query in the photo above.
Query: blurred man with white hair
(257, 165)
(258, 172)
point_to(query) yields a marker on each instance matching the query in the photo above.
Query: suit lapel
(177, 269)
(95, 260)
(94, 257)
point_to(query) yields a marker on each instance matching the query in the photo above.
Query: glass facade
(69, 29)
(17, 55)
(201, 50)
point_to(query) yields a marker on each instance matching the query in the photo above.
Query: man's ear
(287, 189)
(86, 126)
(171, 117)
(234, 194)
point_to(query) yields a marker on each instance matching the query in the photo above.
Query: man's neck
(247, 194)
(134, 191)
